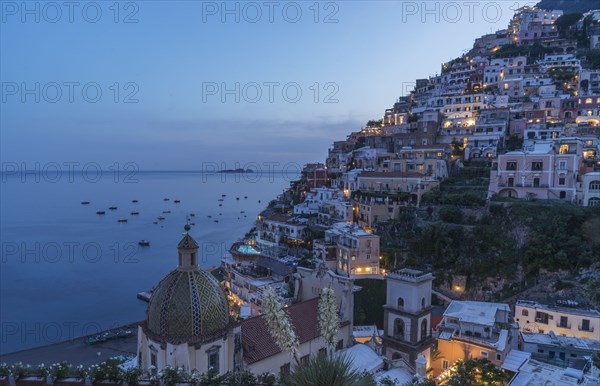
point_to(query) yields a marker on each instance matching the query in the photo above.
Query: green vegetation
(325, 371)
(593, 58)
(568, 6)
(500, 241)
(369, 301)
(468, 186)
(476, 372)
(534, 52)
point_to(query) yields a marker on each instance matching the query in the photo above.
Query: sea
(67, 272)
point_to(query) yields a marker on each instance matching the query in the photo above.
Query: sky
(178, 85)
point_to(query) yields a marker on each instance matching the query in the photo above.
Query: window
(536, 184)
(213, 359)
(564, 149)
(285, 369)
(498, 357)
(153, 358)
(322, 352)
(595, 185)
(564, 322)
(400, 302)
(484, 354)
(422, 302)
(424, 333)
(525, 313)
(562, 165)
(537, 165)
(585, 325)
(541, 317)
(561, 180)
(511, 181)
(445, 364)
(304, 361)
(562, 195)
(595, 201)
(399, 329)
(511, 165)
(339, 345)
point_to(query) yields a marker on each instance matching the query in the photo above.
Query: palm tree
(326, 371)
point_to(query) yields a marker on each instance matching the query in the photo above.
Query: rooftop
(552, 339)
(566, 307)
(483, 313)
(535, 373)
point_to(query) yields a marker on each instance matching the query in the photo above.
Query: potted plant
(28, 376)
(61, 375)
(107, 373)
(132, 376)
(172, 376)
(5, 373)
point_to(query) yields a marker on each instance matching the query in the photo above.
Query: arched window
(595, 185)
(424, 333)
(422, 302)
(400, 302)
(525, 313)
(595, 201)
(399, 329)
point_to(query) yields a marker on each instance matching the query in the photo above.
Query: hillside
(570, 6)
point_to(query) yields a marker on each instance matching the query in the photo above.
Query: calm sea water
(67, 272)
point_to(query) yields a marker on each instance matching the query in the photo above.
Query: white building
(562, 320)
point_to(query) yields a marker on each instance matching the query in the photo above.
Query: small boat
(112, 207)
(220, 214)
(166, 211)
(100, 212)
(192, 214)
(161, 217)
(259, 201)
(242, 211)
(177, 201)
(135, 213)
(223, 195)
(209, 216)
(192, 223)
(216, 220)
(220, 199)
(123, 333)
(144, 243)
(155, 222)
(91, 341)
(166, 199)
(220, 204)
(134, 201)
(237, 198)
(245, 216)
(122, 220)
(109, 335)
(245, 197)
(85, 202)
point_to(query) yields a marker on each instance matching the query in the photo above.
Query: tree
(478, 372)
(335, 371)
(279, 324)
(329, 321)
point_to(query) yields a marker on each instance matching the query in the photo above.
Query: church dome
(188, 303)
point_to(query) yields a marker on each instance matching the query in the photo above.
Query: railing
(563, 325)
(588, 329)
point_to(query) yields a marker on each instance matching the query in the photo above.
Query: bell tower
(407, 315)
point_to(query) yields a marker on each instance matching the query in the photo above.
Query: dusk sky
(175, 58)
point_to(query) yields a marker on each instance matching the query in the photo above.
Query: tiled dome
(188, 303)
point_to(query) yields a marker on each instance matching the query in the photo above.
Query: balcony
(588, 328)
(563, 325)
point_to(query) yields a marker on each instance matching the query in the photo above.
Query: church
(191, 325)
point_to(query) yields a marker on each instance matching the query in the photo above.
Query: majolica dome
(188, 303)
